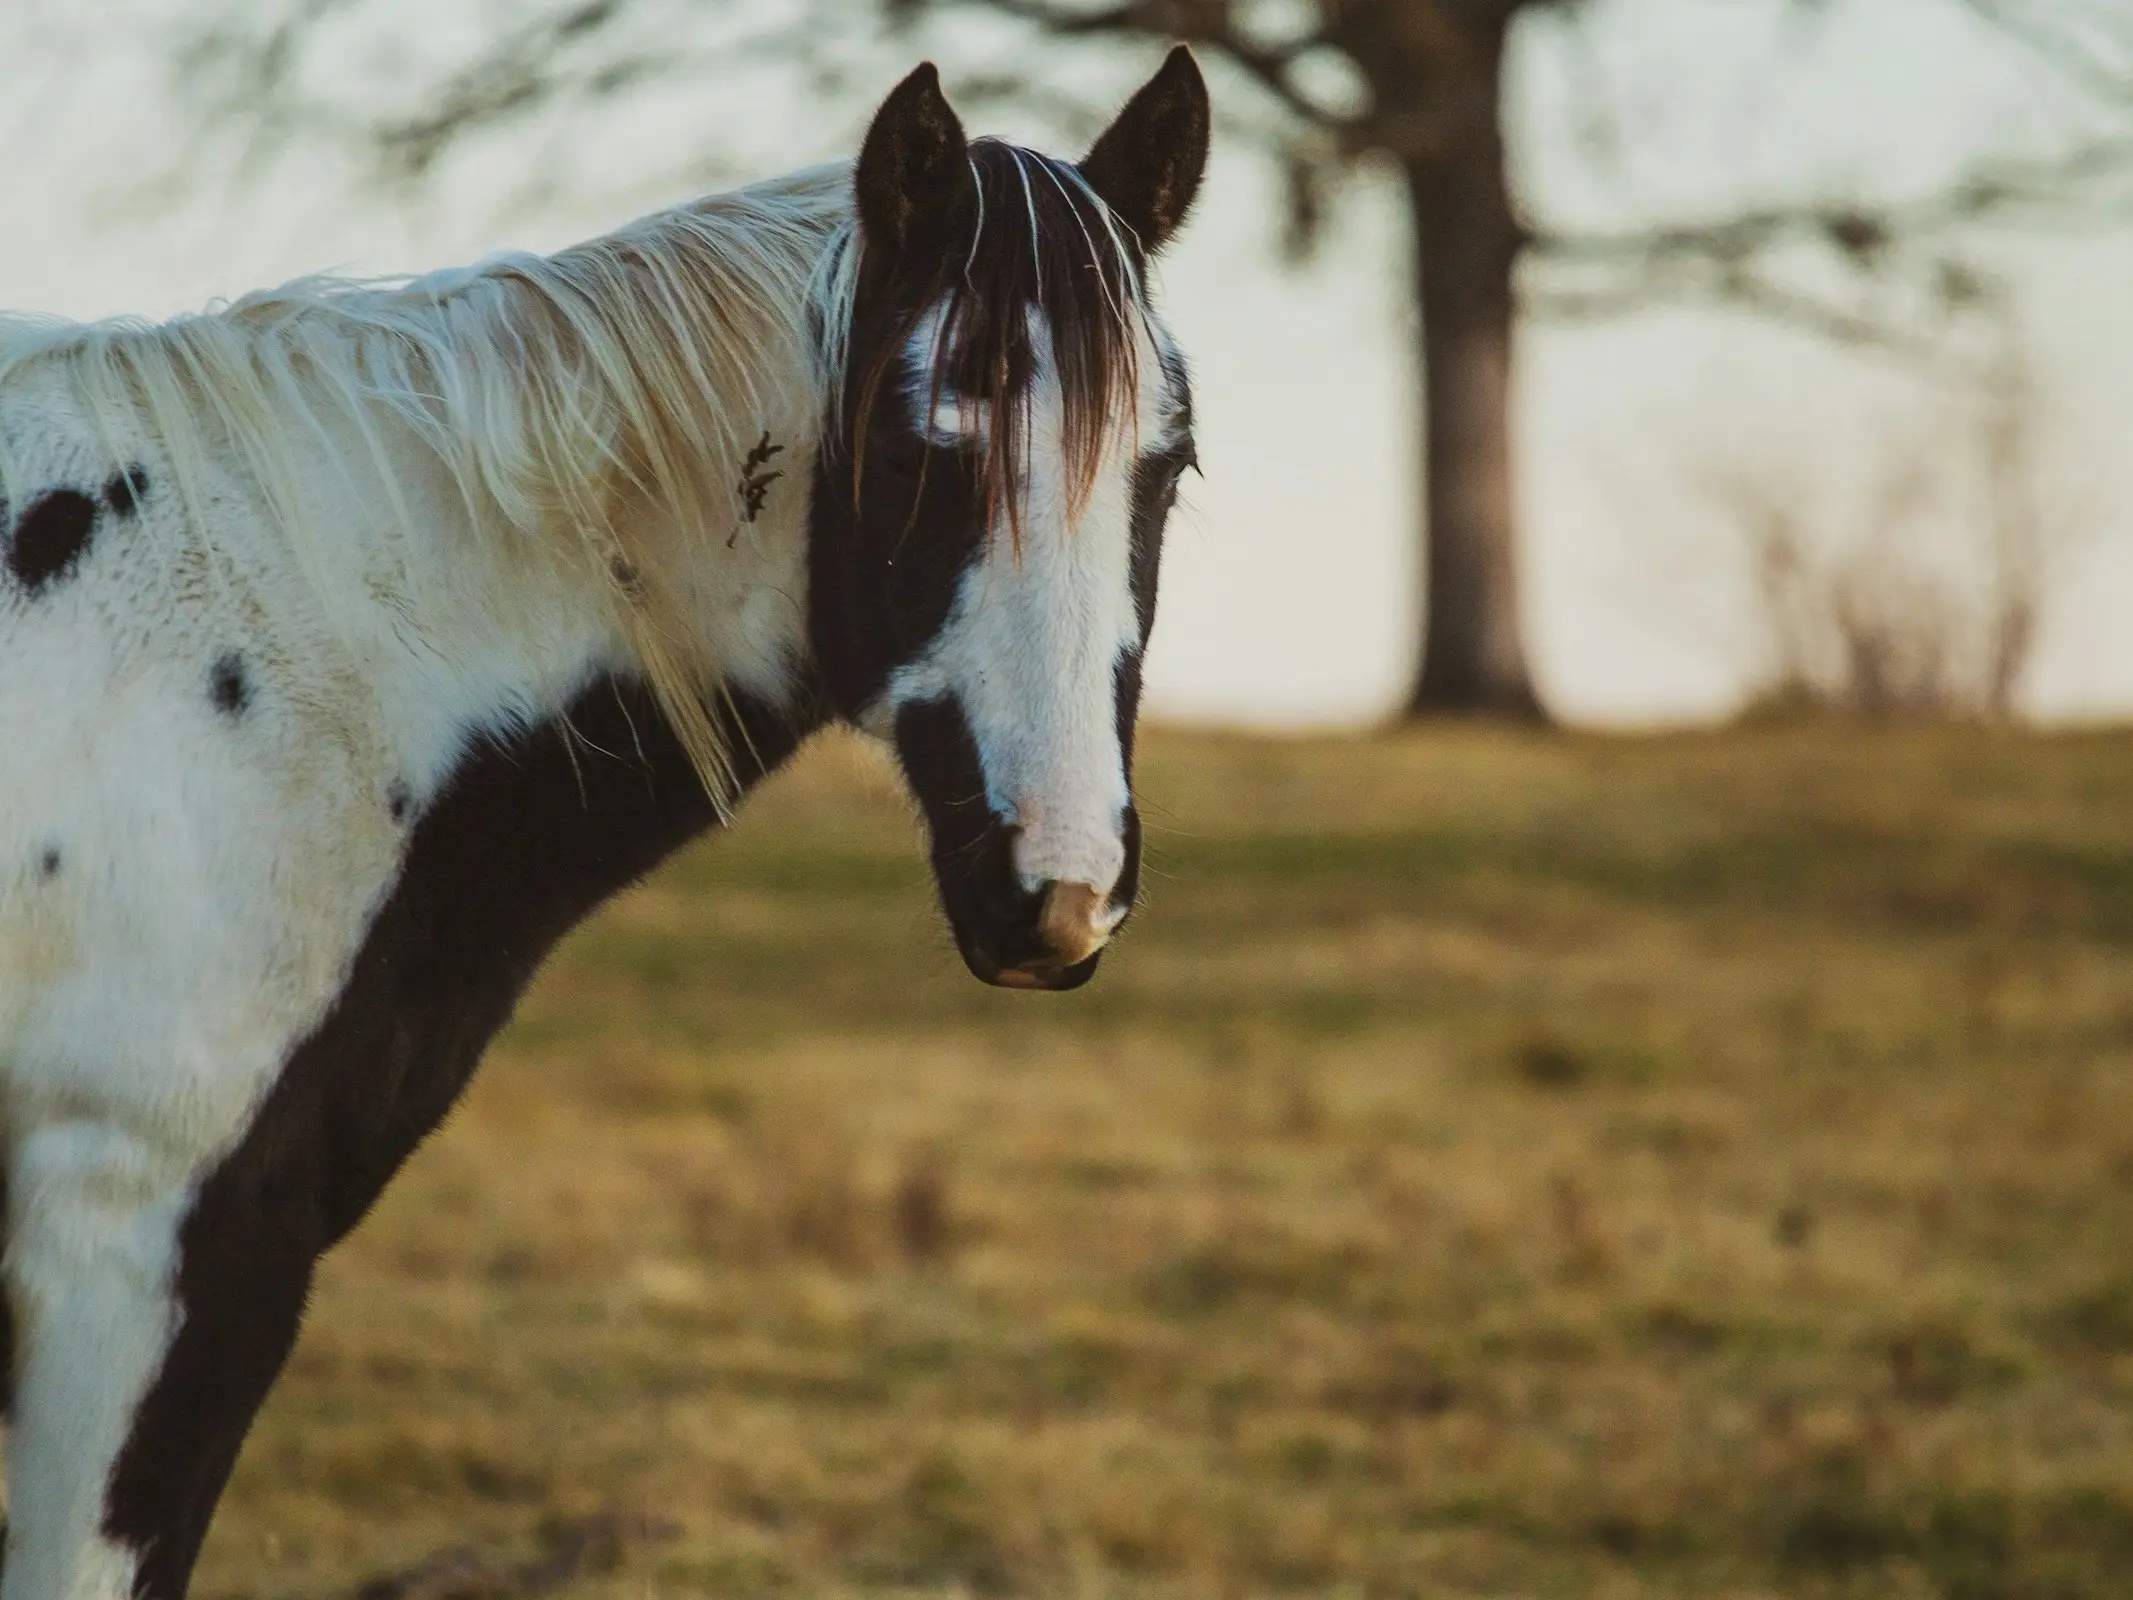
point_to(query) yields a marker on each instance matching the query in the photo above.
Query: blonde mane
(601, 399)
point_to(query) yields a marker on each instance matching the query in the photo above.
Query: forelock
(1038, 239)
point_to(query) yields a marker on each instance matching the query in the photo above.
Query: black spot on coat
(228, 686)
(48, 863)
(51, 538)
(126, 490)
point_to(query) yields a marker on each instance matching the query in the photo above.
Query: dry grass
(1495, 1165)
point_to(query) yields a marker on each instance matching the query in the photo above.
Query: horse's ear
(914, 169)
(1147, 165)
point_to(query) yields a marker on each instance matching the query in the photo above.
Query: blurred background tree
(1423, 87)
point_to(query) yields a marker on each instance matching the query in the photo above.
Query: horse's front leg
(154, 1305)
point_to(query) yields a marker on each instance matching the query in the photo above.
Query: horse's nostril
(1075, 922)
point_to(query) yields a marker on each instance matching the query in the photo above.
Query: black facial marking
(51, 537)
(1126, 893)
(1126, 697)
(883, 579)
(399, 801)
(533, 831)
(126, 490)
(1155, 491)
(993, 917)
(48, 863)
(228, 686)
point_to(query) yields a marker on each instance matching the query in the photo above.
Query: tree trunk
(1466, 246)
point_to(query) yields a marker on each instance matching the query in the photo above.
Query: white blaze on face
(1032, 646)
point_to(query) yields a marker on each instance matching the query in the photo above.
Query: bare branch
(581, 53)
(1067, 21)
(1760, 295)
(1270, 70)
(2061, 189)
(1200, 23)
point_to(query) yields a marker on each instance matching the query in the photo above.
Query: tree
(1419, 85)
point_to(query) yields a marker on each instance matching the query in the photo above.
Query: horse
(362, 637)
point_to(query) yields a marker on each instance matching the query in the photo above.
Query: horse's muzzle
(1074, 922)
(1012, 937)
(1011, 934)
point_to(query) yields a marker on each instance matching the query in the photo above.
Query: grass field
(1492, 1165)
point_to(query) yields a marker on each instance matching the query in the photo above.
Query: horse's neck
(449, 627)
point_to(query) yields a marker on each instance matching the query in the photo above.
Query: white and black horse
(357, 641)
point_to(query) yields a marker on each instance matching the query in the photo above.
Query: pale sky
(1287, 597)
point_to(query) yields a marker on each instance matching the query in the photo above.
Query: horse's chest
(195, 838)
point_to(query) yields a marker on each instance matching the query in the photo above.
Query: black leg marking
(51, 538)
(228, 686)
(399, 800)
(530, 834)
(126, 490)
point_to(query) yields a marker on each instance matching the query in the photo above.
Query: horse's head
(989, 513)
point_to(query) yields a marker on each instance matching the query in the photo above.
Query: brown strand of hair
(1040, 240)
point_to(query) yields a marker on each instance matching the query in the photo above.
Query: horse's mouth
(1050, 977)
